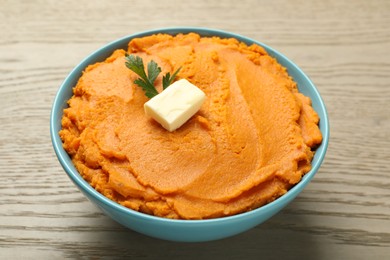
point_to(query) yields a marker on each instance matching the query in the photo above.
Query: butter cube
(175, 105)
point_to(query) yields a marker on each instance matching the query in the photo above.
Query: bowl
(184, 230)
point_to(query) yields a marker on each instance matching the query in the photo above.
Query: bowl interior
(66, 91)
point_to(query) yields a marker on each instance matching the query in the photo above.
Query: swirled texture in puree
(250, 142)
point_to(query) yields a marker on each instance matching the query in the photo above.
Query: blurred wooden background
(344, 46)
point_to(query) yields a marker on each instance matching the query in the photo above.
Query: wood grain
(344, 46)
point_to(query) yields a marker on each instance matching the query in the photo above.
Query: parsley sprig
(146, 82)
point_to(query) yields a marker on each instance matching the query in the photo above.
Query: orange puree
(250, 142)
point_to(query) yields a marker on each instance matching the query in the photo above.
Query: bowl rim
(73, 174)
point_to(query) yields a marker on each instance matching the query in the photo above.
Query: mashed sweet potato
(250, 142)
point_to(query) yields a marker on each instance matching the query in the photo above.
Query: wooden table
(344, 46)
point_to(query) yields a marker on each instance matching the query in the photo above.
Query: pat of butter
(175, 105)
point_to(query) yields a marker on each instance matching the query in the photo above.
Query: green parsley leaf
(146, 82)
(149, 91)
(153, 70)
(136, 64)
(167, 79)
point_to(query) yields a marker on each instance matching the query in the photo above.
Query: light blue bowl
(184, 230)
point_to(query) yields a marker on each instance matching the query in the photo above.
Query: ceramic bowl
(184, 230)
